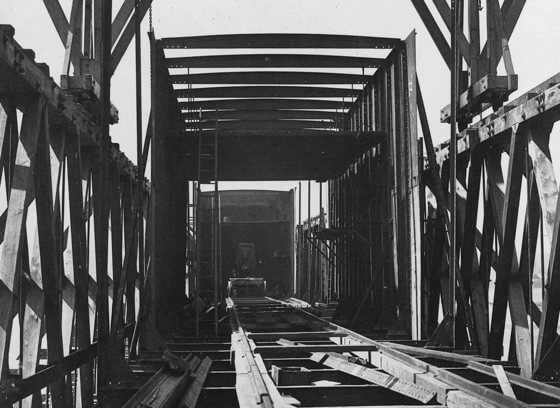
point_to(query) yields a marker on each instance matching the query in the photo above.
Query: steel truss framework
(274, 132)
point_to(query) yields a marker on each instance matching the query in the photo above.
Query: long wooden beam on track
(267, 92)
(273, 61)
(269, 77)
(264, 104)
(280, 41)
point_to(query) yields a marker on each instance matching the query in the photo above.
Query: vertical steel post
(139, 143)
(155, 81)
(453, 171)
(299, 249)
(320, 245)
(105, 72)
(216, 231)
(308, 252)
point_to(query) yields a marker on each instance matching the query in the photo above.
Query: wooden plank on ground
(190, 398)
(503, 380)
(373, 376)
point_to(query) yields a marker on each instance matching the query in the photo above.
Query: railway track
(281, 355)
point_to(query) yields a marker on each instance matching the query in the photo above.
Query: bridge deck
(281, 354)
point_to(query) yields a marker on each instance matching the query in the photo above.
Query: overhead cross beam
(273, 61)
(280, 41)
(264, 104)
(272, 114)
(262, 124)
(269, 77)
(267, 92)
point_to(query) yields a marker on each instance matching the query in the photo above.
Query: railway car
(256, 236)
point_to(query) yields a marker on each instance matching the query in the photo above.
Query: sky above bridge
(534, 44)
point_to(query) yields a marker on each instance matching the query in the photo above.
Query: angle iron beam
(255, 125)
(273, 61)
(371, 136)
(267, 92)
(272, 114)
(264, 104)
(280, 41)
(269, 77)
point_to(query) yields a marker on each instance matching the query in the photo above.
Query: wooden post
(61, 394)
(17, 209)
(101, 187)
(507, 285)
(81, 276)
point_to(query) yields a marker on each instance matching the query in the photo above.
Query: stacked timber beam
(176, 385)
(285, 356)
(192, 372)
(55, 280)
